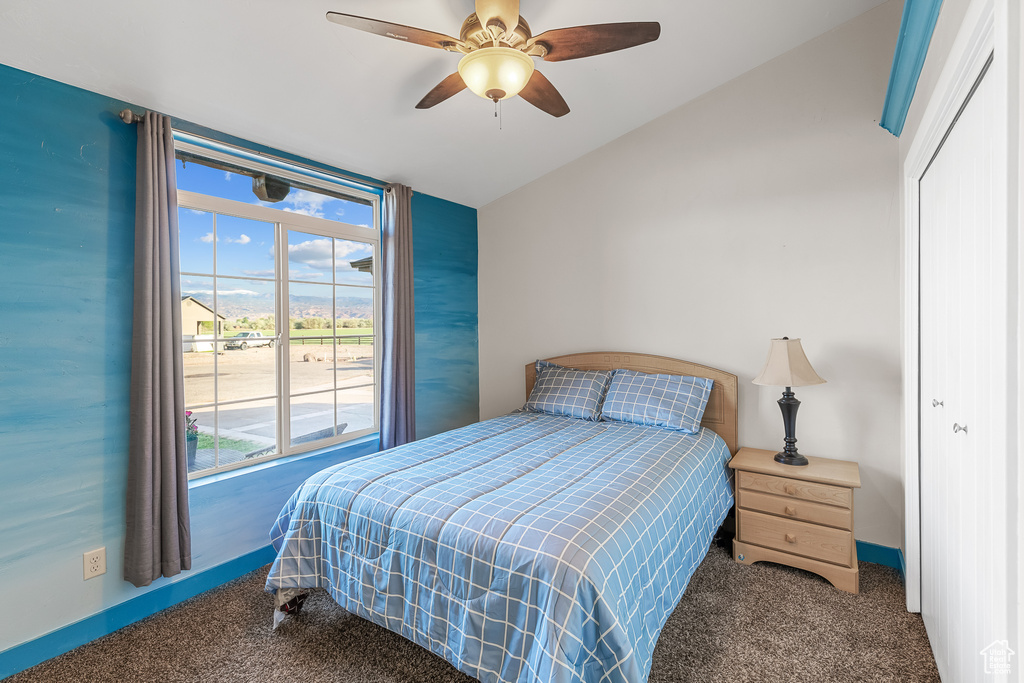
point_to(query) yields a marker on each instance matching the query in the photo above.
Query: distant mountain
(234, 306)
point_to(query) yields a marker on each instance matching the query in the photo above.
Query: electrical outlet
(95, 562)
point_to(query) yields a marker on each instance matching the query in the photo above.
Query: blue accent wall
(67, 196)
(445, 263)
(916, 28)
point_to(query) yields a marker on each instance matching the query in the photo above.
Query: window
(278, 303)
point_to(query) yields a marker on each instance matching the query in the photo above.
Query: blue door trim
(916, 27)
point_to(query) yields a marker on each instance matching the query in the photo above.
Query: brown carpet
(759, 623)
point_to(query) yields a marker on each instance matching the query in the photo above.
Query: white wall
(766, 208)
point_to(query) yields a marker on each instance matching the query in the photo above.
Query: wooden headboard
(720, 414)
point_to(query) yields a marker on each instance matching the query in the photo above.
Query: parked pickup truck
(245, 340)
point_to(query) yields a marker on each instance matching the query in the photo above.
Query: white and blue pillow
(674, 402)
(564, 391)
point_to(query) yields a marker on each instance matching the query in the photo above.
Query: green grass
(340, 332)
(206, 441)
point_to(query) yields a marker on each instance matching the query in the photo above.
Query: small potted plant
(191, 437)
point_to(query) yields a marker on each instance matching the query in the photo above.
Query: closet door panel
(963, 365)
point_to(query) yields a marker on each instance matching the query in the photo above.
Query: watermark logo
(997, 657)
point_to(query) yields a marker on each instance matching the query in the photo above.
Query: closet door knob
(936, 403)
(957, 428)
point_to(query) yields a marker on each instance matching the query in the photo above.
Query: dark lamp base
(787, 459)
(789, 405)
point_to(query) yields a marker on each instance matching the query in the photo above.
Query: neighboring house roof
(197, 302)
(363, 265)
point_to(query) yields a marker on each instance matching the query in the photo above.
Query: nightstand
(797, 516)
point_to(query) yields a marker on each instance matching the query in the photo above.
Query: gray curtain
(158, 541)
(398, 373)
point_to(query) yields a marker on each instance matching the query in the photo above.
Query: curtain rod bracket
(128, 116)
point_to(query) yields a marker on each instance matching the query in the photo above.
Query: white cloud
(313, 253)
(208, 237)
(243, 239)
(259, 273)
(307, 203)
(227, 175)
(316, 255)
(352, 249)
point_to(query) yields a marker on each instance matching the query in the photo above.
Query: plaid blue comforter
(524, 548)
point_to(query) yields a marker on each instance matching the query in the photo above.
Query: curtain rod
(128, 116)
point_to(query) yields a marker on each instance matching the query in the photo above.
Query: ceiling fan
(498, 48)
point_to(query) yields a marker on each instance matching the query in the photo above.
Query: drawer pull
(790, 538)
(790, 489)
(790, 511)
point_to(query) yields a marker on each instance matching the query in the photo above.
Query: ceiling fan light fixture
(496, 73)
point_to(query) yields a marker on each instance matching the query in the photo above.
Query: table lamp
(788, 367)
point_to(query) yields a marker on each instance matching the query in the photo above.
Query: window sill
(357, 446)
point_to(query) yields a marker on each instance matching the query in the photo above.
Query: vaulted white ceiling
(279, 74)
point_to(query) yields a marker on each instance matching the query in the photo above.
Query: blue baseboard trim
(916, 28)
(881, 554)
(21, 657)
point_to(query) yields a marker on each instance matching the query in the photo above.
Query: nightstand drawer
(794, 488)
(791, 508)
(799, 538)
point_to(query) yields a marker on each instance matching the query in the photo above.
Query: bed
(528, 547)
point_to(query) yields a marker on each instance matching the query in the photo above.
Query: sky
(245, 248)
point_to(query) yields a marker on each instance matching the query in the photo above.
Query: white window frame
(284, 221)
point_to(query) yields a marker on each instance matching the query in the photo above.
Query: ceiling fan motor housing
(474, 34)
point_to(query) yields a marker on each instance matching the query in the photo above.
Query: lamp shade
(787, 366)
(496, 73)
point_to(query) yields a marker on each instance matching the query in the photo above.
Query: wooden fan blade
(596, 39)
(407, 34)
(540, 93)
(442, 91)
(504, 11)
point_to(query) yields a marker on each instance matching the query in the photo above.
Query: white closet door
(964, 517)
